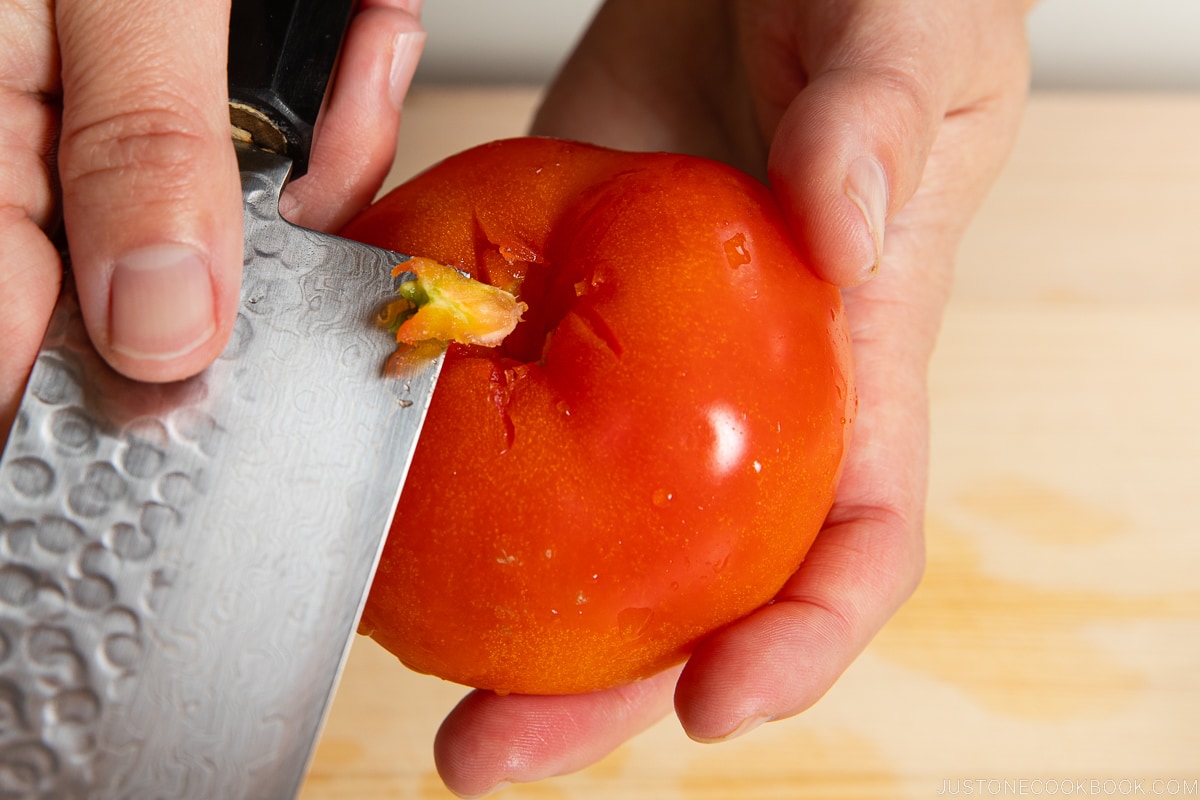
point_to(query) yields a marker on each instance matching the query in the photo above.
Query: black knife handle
(281, 56)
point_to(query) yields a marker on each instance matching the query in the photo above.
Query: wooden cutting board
(1054, 645)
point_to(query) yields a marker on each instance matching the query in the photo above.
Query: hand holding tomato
(646, 457)
(867, 119)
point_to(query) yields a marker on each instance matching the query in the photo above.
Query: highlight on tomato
(647, 456)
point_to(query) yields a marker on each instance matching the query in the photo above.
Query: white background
(1075, 44)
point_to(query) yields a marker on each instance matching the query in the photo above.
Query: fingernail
(741, 729)
(161, 303)
(866, 186)
(406, 52)
(289, 206)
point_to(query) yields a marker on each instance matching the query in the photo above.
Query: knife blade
(182, 566)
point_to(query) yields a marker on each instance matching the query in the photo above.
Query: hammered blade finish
(182, 566)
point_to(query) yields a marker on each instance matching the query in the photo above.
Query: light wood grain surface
(1054, 645)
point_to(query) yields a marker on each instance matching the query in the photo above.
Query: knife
(182, 566)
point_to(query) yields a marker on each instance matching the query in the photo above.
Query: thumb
(851, 147)
(151, 197)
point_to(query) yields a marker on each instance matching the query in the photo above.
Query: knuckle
(915, 94)
(157, 147)
(27, 176)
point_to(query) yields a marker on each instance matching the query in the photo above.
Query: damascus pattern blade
(182, 566)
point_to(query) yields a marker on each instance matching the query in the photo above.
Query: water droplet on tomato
(661, 498)
(736, 250)
(634, 621)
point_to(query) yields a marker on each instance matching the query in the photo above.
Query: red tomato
(647, 457)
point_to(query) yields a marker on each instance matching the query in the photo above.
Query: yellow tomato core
(440, 304)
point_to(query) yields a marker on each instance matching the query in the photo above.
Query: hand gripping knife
(182, 566)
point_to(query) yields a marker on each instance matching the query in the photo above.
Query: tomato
(647, 457)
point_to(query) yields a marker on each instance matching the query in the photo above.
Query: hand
(115, 120)
(880, 126)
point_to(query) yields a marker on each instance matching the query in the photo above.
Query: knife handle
(281, 56)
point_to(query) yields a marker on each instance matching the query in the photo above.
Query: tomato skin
(583, 506)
